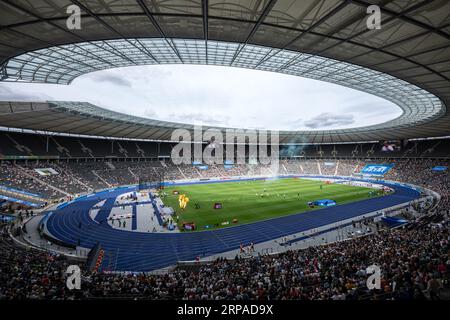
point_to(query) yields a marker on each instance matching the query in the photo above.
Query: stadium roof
(82, 118)
(406, 61)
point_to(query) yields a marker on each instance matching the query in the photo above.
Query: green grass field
(243, 201)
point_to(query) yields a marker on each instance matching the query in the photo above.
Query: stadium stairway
(140, 251)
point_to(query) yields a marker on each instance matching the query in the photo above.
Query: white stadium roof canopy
(406, 61)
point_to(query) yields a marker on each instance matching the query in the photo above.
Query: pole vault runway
(142, 251)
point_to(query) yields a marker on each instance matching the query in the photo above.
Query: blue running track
(139, 251)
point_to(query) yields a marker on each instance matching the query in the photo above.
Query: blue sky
(219, 96)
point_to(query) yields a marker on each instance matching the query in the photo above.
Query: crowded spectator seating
(74, 178)
(414, 258)
(64, 147)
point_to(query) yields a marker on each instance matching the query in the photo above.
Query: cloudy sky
(220, 96)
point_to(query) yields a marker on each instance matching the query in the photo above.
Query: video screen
(391, 146)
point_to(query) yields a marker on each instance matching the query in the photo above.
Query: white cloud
(221, 96)
(330, 120)
(199, 118)
(16, 94)
(110, 77)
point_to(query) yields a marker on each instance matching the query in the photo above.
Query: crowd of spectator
(80, 177)
(414, 260)
(13, 176)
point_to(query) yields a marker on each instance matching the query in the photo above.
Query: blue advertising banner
(27, 203)
(393, 221)
(20, 191)
(376, 169)
(324, 203)
(440, 168)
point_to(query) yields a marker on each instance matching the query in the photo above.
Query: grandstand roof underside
(406, 61)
